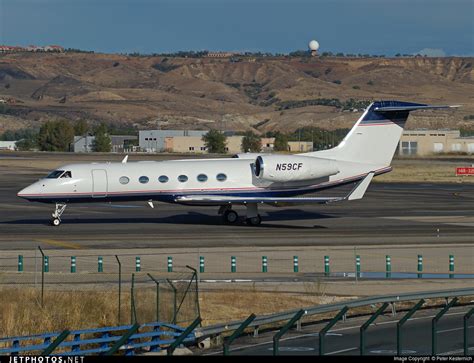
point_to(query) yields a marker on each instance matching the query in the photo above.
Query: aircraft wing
(356, 193)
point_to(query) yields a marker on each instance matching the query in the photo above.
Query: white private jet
(246, 179)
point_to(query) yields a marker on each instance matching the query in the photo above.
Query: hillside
(261, 94)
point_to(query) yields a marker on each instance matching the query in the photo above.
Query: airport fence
(157, 286)
(334, 261)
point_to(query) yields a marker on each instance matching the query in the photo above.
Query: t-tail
(375, 136)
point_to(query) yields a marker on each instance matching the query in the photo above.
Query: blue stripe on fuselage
(171, 197)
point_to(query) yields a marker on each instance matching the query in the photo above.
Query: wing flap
(356, 193)
(219, 200)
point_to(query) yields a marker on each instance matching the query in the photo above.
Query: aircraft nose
(27, 192)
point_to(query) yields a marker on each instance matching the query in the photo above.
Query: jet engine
(287, 168)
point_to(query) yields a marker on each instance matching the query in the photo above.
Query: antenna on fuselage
(124, 161)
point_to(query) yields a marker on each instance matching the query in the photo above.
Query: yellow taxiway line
(60, 244)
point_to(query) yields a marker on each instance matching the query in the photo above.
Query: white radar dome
(313, 45)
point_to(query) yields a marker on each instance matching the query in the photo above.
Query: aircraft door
(99, 183)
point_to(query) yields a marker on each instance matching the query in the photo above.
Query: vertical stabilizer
(375, 136)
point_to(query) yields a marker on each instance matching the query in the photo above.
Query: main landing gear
(230, 216)
(60, 208)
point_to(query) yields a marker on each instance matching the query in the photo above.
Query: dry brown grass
(427, 171)
(21, 312)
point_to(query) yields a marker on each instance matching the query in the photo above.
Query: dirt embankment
(258, 94)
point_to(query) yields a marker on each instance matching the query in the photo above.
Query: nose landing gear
(60, 208)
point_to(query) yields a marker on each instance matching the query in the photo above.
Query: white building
(8, 145)
(154, 140)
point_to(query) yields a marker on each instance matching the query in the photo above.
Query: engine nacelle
(287, 168)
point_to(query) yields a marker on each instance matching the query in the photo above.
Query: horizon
(377, 27)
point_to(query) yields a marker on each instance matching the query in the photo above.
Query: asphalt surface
(389, 213)
(344, 338)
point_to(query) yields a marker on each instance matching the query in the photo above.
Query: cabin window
(163, 179)
(55, 174)
(183, 178)
(124, 180)
(221, 177)
(143, 179)
(67, 174)
(202, 178)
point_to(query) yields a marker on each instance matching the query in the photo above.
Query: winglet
(359, 191)
(124, 161)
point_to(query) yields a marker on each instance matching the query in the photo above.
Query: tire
(254, 221)
(56, 222)
(231, 217)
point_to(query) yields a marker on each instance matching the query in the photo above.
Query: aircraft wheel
(56, 222)
(230, 216)
(254, 221)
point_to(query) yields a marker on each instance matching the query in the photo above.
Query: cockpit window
(55, 174)
(66, 174)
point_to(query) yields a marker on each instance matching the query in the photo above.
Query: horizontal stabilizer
(359, 191)
(411, 108)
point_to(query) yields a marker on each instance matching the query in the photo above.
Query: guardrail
(319, 309)
(155, 336)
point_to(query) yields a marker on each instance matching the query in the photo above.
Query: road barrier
(420, 266)
(46, 264)
(451, 266)
(100, 340)
(233, 264)
(201, 264)
(125, 339)
(358, 265)
(388, 267)
(137, 264)
(326, 266)
(321, 309)
(295, 263)
(73, 264)
(420, 273)
(100, 264)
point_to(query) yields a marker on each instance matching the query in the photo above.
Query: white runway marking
(342, 351)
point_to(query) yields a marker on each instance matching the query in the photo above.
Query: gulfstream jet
(246, 179)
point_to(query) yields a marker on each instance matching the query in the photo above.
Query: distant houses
(31, 49)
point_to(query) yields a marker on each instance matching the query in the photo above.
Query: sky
(438, 27)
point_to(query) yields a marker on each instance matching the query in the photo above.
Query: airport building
(300, 146)
(428, 142)
(8, 145)
(194, 144)
(154, 140)
(120, 143)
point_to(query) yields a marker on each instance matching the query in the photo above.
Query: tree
(215, 141)
(55, 136)
(281, 142)
(102, 141)
(251, 142)
(81, 128)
